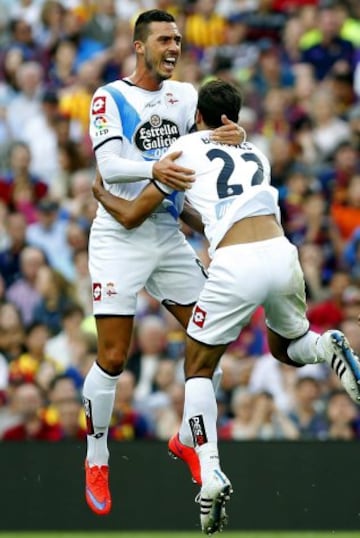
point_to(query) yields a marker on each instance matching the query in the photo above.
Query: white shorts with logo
(243, 277)
(155, 255)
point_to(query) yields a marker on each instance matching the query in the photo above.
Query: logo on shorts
(199, 317)
(99, 105)
(110, 289)
(96, 291)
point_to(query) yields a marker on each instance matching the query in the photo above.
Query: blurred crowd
(297, 63)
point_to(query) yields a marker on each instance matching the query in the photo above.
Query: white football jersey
(232, 182)
(147, 123)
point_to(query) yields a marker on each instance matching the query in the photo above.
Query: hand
(171, 174)
(98, 185)
(229, 133)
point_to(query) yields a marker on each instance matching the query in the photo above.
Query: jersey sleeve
(105, 121)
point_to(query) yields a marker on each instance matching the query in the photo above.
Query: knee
(112, 359)
(198, 367)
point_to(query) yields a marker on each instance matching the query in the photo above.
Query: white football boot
(212, 498)
(343, 360)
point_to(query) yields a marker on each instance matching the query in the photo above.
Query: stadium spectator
(26, 10)
(50, 235)
(152, 342)
(62, 72)
(63, 347)
(69, 413)
(328, 312)
(14, 243)
(20, 189)
(269, 72)
(49, 30)
(40, 135)
(71, 161)
(346, 214)
(204, 27)
(34, 364)
(256, 416)
(169, 419)
(159, 399)
(101, 26)
(335, 178)
(127, 423)
(269, 375)
(75, 100)
(26, 103)
(312, 260)
(56, 294)
(79, 201)
(29, 405)
(12, 331)
(23, 293)
(305, 413)
(342, 416)
(332, 49)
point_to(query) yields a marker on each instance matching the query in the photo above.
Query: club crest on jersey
(97, 291)
(199, 316)
(99, 105)
(153, 137)
(170, 98)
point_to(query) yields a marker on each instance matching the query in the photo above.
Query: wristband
(161, 187)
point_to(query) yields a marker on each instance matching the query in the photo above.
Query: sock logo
(198, 430)
(88, 416)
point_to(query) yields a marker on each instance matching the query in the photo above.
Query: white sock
(200, 413)
(305, 350)
(98, 393)
(185, 434)
(209, 459)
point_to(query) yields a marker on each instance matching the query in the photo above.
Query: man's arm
(192, 218)
(130, 213)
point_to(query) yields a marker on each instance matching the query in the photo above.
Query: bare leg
(183, 315)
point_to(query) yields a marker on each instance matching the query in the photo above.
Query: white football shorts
(243, 277)
(155, 255)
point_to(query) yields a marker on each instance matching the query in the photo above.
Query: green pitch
(154, 534)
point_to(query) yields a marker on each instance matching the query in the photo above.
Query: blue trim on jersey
(130, 119)
(177, 202)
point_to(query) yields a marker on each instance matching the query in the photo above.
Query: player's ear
(198, 117)
(139, 47)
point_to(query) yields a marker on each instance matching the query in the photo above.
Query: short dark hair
(218, 97)
(141, 29)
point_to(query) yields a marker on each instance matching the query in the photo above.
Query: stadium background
(298, 65)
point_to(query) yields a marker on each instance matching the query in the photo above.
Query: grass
(173, 534)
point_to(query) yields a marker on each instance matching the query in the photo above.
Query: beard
(151, 67)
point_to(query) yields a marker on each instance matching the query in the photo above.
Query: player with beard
(132, 123)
